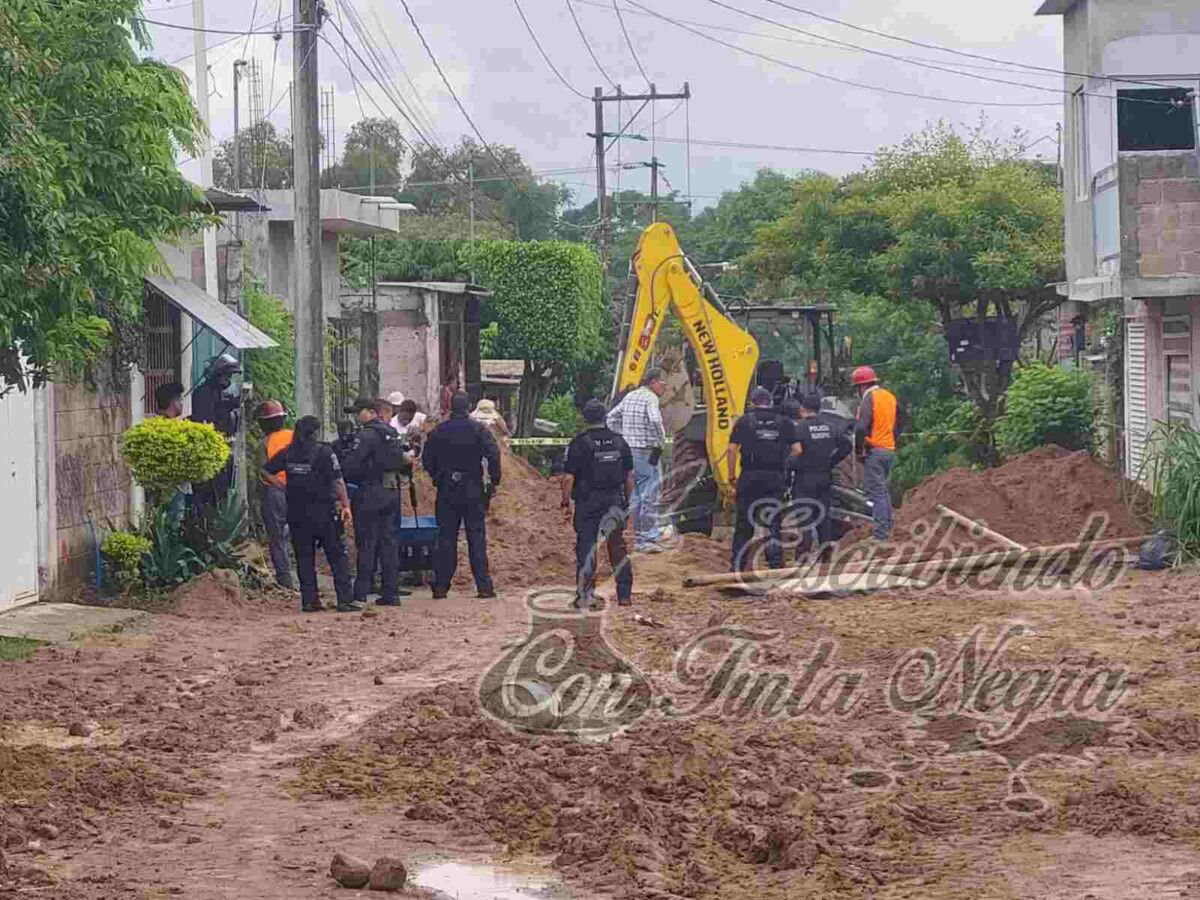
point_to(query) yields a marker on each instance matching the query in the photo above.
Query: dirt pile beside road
(694, 809)
(1039, 498)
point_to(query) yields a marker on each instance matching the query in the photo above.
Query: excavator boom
(727, 354)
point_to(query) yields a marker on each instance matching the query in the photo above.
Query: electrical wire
(588, 44)
(546, 56)
(421, 108)
(296, 29)
(175, 62)
(253, 19)
(629, 42)
(738, 145)
(833, 78)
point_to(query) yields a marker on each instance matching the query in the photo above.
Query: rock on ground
(349, 872)
(389, 874)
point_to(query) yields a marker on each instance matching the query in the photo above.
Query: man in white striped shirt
(638, 419)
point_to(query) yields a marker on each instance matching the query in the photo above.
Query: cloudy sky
(514, 98)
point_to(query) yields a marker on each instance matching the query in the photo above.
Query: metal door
(18, 500)
(1137, 419)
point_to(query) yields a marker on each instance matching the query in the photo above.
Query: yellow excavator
(726, 354)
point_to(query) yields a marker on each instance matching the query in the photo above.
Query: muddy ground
(235, 746)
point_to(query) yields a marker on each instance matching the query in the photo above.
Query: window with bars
(162, 347)
(1177, 348)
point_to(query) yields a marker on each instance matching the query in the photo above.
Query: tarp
(211, 313)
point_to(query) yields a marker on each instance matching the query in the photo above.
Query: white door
(1137, 418)
(18, 501)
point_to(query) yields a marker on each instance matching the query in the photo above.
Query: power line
(588, 44)
(833, 78)
(237, 34)
(253, 19)
(628, 42)
(175, 62)
(420, 106)
(738, 145)
(545, 56)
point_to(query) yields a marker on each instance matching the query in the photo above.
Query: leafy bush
(165, 453)
(1047, 405)
(947, 434)
(272, 371)
(216, 538)
(1172, 470)
(561, 409)
(123, 552)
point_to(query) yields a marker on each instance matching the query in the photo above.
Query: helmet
(270, 409)
(863, 375)
(224, 363)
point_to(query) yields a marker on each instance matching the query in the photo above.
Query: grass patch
(18, 648)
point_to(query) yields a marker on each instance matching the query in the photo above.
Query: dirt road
(236, 746)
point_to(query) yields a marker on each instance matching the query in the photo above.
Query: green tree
(959, 225)
(547, 305)
(265, 161)
(372, 142)
(89, 132)
(509, 192)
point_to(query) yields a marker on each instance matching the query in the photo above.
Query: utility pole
(599, 98)
(237, 135)
(309, 304)
(471, 179)
(655, 165)
(368, 326)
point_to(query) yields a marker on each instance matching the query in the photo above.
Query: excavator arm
(728, 355)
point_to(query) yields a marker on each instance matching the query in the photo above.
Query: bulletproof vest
(602, 455)
(306, 484)
(768, 447)
(819, 437)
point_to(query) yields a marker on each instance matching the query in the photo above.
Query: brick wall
(1160, 214)
(407, 357)
(90, 475)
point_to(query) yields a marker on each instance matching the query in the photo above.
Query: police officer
(375, 465)
(212, 402)
(766, 438)
(824, 442)
(599, 470)
(453, 456)
(318, 510)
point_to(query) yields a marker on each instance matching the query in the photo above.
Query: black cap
(811, 402)
(760, 396)
(360, 404)
(594, 412)
(460, 403)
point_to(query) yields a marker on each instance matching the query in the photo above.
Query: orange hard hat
(270, 409)
(863, 375)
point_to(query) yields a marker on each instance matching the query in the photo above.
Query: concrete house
(1132, 198)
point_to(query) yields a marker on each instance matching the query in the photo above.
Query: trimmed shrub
(165, 453)
(1047, 405)
(123, 552)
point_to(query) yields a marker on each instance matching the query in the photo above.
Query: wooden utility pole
(655, 165)
(309, 306)
(599, 98)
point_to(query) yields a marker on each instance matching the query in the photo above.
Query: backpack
(606, 472)
(391, 458)
(768, 449)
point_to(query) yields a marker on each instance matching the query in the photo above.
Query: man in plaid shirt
(638, 420)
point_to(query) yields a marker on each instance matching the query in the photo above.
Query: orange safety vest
(278, 441)
(884, 410)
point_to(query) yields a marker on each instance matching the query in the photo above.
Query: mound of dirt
(669, 809)
(1039, 498)
(215, 594)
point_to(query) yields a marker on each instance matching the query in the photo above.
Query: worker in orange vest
(876, 432)
(273, 488)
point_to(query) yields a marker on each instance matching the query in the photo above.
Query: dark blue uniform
(376, 506)
(826, 443)
(599, 460)
(766, 437)
(312, 517)
(453, 456)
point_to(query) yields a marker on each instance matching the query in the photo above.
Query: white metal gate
(1137, 416)
(18, 501)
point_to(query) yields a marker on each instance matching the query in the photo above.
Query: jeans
(647, 485)
(759, 488)
(875, 480)
(319, 527)
(274, 513)
(375, 511)
(601, 519)
(455, 508)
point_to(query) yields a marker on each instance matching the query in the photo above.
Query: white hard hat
(395, 398)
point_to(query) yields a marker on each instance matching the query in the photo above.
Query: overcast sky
(514, 98)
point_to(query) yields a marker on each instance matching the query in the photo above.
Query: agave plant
(170, 561)
(1172, 474)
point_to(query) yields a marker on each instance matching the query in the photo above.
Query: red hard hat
(270, 409)
(863, 375)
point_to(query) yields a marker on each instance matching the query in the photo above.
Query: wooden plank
(979, 528)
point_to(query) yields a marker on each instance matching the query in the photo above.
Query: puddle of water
(477, 881)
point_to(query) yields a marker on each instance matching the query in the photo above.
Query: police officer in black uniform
(599, 470)
(453, 456)
(375, 465)
(824, 443)
(766, 438)
(214, 403)
(317, 511)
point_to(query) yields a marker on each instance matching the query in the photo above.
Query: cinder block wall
(1160, 214)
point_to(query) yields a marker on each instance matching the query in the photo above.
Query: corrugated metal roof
(211, 313)
(1055, 7)
(229, 201)
(504, 368)
(441, 287)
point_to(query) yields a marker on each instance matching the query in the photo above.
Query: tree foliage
(266, 159)
(88, 137)
(372, 142)
(403, 260)
(272, 371)
(547, 306)
(1047, 405)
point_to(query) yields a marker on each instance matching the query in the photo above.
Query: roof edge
(1055, 7)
